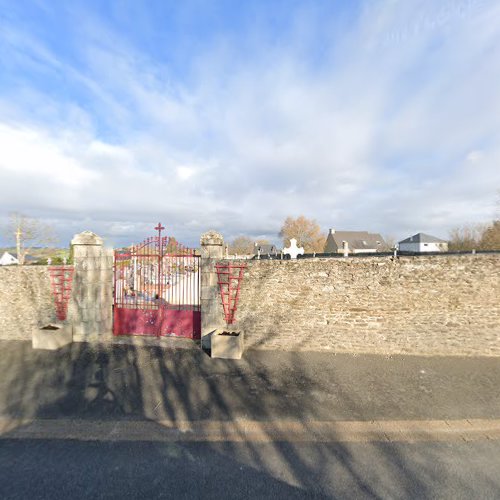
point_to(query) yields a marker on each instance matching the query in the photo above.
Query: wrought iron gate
(157, 289)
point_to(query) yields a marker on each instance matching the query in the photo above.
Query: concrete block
(92, 294)
(106, 295)
(107, 325)
(106, 276)
(227, 346)
(52, 337)
(93, 276)
(87, 313)
(105, 312)
(208, 278)
(72, 309)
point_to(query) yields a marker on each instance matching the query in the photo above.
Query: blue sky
(371, 115)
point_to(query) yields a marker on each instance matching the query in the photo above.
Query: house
(421, 242)
(354, 242)
(8, 259)
(265, 249)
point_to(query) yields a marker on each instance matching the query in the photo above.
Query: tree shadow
(96, 382)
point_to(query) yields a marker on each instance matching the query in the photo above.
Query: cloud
(385, 120)
(184, 173)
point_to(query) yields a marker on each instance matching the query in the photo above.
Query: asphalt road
(58, 469)
(100, 422)
(85, 381)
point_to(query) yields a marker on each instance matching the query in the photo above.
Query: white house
(7, 259)
(423, 243)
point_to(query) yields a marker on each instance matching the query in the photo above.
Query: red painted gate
(157, 289)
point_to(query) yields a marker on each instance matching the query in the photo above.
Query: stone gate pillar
(91, 307)
(212, 251)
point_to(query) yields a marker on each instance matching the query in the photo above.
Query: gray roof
(265, 249)
(358, 240)
(422, 238)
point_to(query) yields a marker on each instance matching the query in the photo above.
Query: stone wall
(212, 250)
(91, 306)
(26, 300)
(419, 305)
(432, 305)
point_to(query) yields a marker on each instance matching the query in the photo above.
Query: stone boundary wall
(427, 305)
(26, 301)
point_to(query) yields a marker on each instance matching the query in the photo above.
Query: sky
(377, 115)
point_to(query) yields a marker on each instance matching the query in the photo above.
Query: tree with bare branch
(491, 236)
(242, 245)
(465, 238)
(306, 231)
(28, 232)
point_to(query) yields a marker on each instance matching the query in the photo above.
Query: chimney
(345, 248)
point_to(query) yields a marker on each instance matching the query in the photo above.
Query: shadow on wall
(93, 382)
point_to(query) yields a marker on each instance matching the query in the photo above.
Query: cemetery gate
(157, 289)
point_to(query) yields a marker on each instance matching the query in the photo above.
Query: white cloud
(29, 152)
(395, 129)
(184, 173)
(109, 152)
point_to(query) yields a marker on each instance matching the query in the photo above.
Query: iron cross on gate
(159, 228)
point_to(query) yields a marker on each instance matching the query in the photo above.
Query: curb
(407, 431)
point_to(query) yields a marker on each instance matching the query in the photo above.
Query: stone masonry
(212, 250)
(26, 301)
(91, 305)
(428, 305)
(432, 305)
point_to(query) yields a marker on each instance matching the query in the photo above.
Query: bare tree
(306, 231)
(242, 245)
(466, 238)
(27, 233)
(478, 236)
(491, 237)
(390, 241)
(263, 242)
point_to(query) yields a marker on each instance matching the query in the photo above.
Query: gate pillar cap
(211, 238)
(86, 238)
